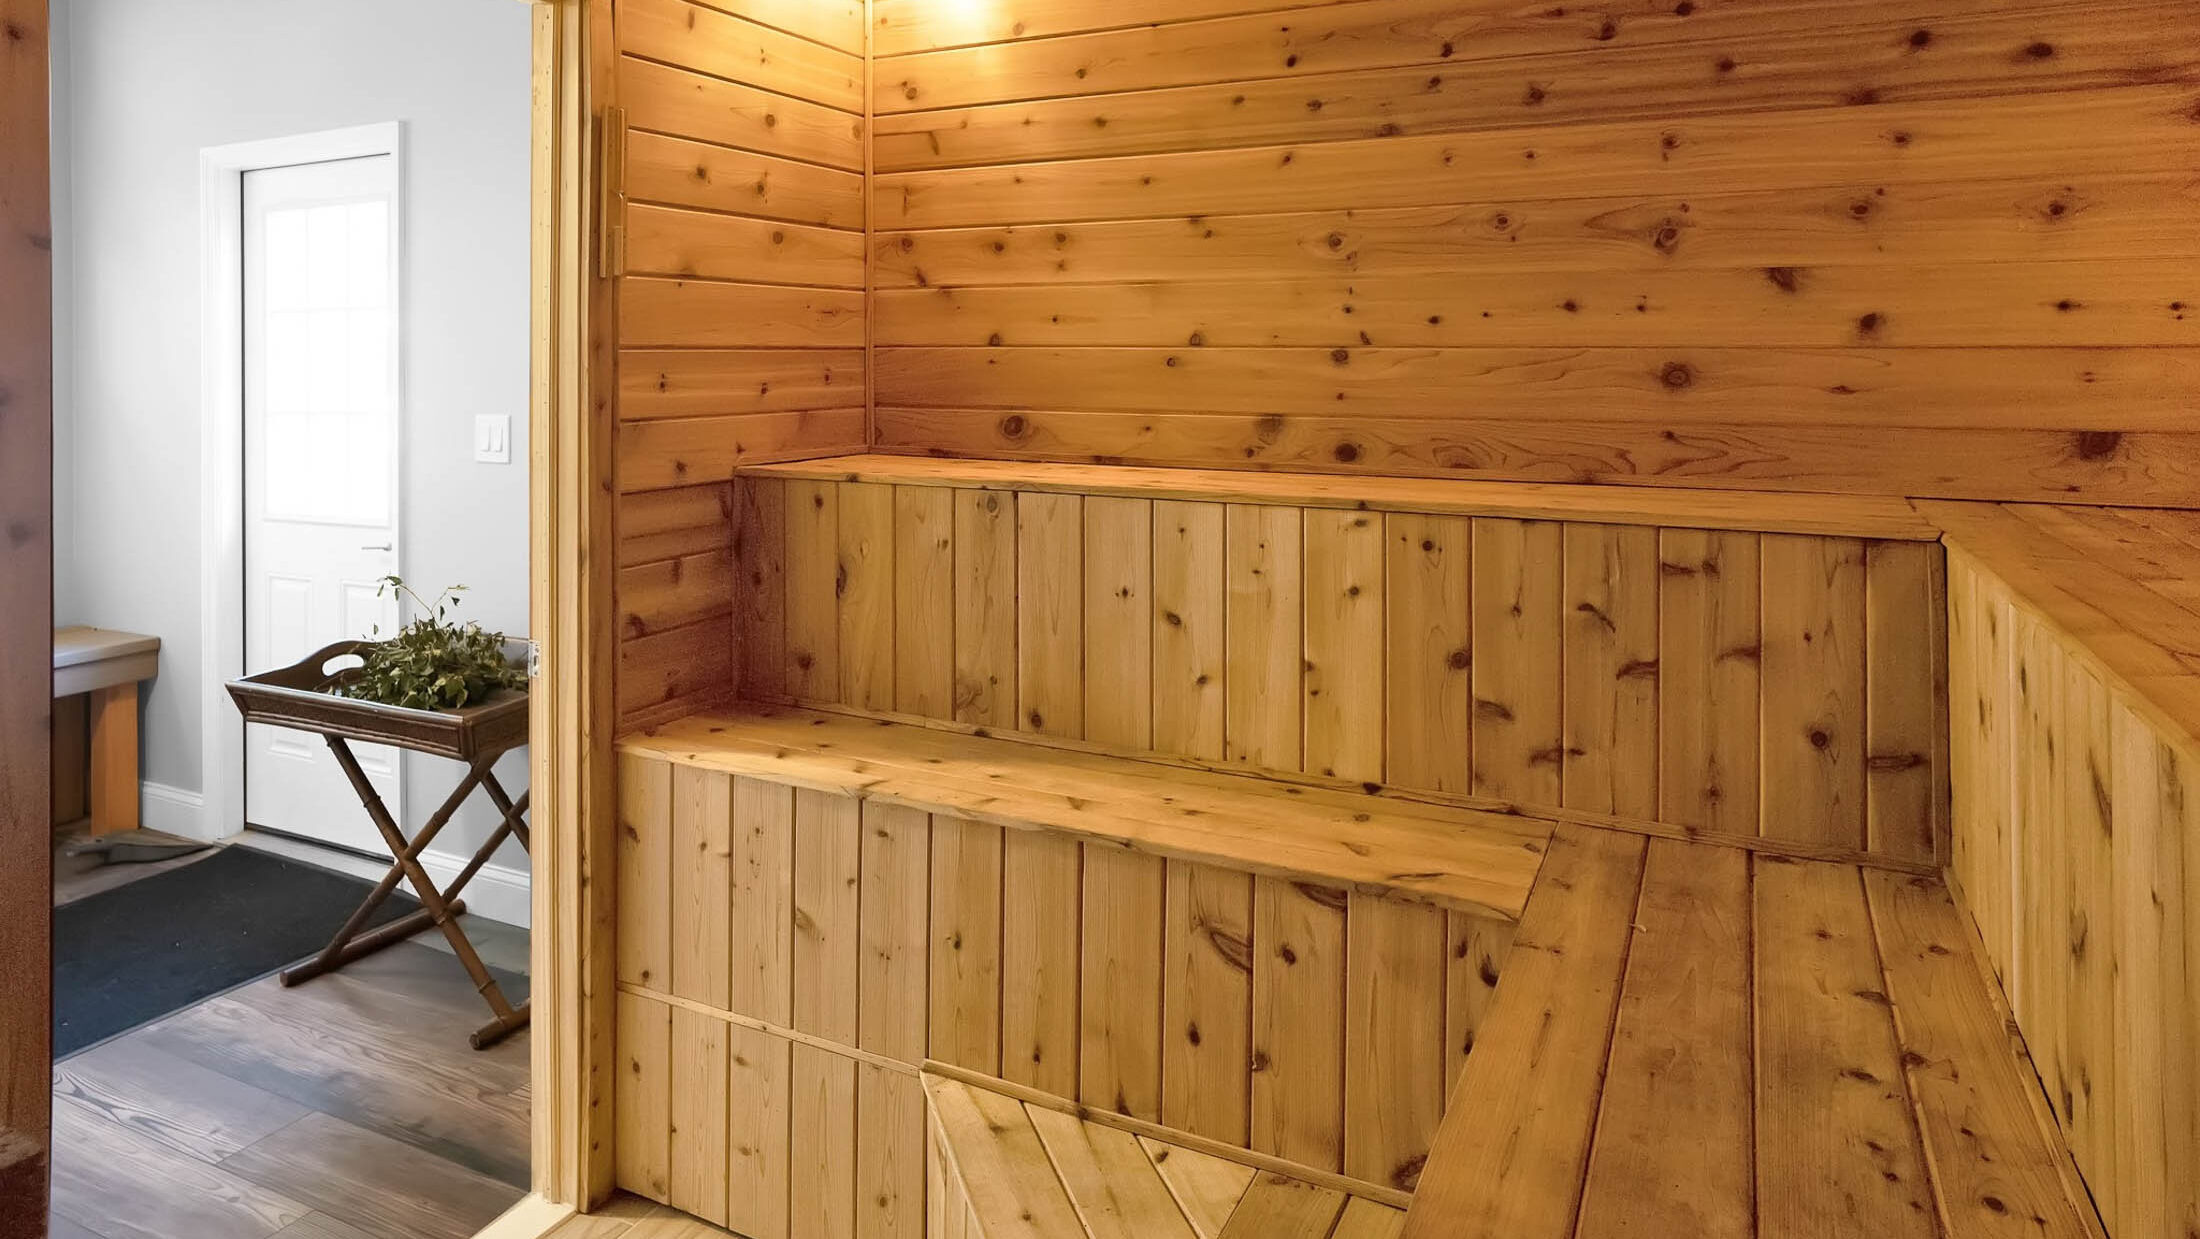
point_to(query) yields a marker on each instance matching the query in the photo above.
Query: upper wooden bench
(1460, 858)
(1692, 1040)
(2121, 583)
(1856, 516)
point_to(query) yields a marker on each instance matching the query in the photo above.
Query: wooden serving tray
(298, 696)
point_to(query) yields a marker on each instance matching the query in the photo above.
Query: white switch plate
(493, 438)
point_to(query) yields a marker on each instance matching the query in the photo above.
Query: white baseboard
(173, 811)
(497, 892)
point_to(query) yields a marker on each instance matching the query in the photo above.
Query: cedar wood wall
(740, 310)
(1839, 245)
(1828, 245)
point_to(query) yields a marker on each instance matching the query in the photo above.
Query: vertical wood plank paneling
(1344, 644)
(702, 878)
(1812, 789)
(1517, 659)
(1394, 1038)
(1429, 635)
(1475, 951)
(1709, 650)
(821, 1153)
(2087, 979)
(2152, 1104)
(986, 647)
(2043, 911)
(1189, 638)
(1050, 613)
(1119, 1004)
(894, 970)
(760, 607)
(759, 1111)
(642, 1098)
(866, 585)
(827, 868)
(761, 919)
(1610, 616)
(1262, 562)
(1207, 1002)
(924, 601)
(1118, 689)
(813, 590)
(1041, 899)
(1299, 1021)
(698, 1158)
(1904, 631)
(966, 944)
(645, 871)
(1989, 715)
(889, 1154)
(2076, 820)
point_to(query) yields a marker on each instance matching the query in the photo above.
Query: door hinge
(534, 661)
(611, 204)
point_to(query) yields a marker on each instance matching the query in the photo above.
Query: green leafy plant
(432, 663)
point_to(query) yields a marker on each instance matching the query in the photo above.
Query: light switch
(493, 438)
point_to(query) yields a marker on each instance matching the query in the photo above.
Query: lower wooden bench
(1692, 1040)
(998, 1166)
(814, 908)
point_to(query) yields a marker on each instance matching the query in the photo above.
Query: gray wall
(141, 86)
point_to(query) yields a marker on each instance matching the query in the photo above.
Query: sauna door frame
(570, 555)
(26, 619)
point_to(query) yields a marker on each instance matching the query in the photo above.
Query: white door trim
(221, 428)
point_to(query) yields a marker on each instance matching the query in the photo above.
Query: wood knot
(1786, 279)
(2039, 51)
(1014, 426)
(1921, 38)
(2098, 444)
(1676, 375)
(1346, 453)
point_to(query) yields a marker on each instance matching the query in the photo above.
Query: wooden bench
(2123, 583)
(98, 670)
(814, 908)
(1476, 861)
(1692, 1040)
(1000, 1165)
(1851, 516)
(2074, 708)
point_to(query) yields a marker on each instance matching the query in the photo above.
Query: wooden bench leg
(114, 758)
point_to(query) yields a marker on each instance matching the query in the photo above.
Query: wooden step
(1481, 862)
(1698, 1041)
(1000, 1166)
(1855, 516)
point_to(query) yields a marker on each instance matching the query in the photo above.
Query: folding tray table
(298, 697)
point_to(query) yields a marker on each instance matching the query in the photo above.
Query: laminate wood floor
(348, 1108)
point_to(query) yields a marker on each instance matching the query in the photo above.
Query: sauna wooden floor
(1001, 1166)
(1692, 1040)
(348, 1108)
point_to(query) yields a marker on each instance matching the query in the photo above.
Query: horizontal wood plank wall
(1775, 685)
(1946, 250)
(738, 251)
(788, 958)
(2076, 848)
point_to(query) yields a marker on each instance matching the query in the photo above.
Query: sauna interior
(1394, 617)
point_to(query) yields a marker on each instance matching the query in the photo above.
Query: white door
(320, 463)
